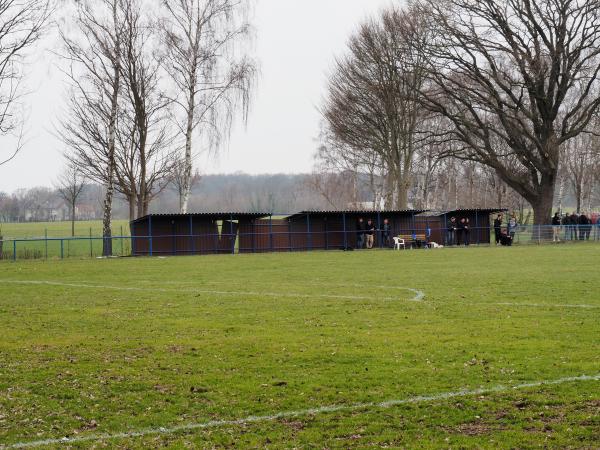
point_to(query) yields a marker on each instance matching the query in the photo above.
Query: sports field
(451, 348)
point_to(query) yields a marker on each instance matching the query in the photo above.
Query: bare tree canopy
(21, 25)
(70, 186)
(90, 129)
(144, 154)
(371, 105)
(516, 79)
(202, 40)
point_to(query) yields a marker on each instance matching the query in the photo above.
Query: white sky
(296, 42)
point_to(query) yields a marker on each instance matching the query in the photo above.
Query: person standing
(360, 233)
(584, 227)
(460, 232)
(451, 231)
(498, 228)
(512, 226)
(386, 233)
(566, 222)
(467, 231)
(370, 233)
(556, 227)
(574, 221)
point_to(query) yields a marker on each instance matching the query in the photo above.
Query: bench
(416, 240)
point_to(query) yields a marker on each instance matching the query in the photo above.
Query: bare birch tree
(70, 186)
(95, 74)
(201, 38)
(517, 80)
(21, 25)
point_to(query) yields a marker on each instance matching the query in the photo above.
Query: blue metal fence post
(345, 234)
(46, 241)
(192, 235)
(121, 240)
(15, 250)
(62, 249)
(271, 232)
(150, 235)
(91, 244)
(309, 237)
(231, 234)
(379, 235)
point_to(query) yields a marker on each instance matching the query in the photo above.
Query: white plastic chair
(399, 242)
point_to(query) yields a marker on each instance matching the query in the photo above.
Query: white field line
(547, 305)
(299, 413)
(419, 295)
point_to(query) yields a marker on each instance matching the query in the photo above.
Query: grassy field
(244, 351)
(60, 229)
(78, 248)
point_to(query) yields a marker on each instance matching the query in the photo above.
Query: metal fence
(273, 240)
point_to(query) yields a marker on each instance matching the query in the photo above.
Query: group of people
(505, 236)
(365, 233)
(458, 231)
(575, 227)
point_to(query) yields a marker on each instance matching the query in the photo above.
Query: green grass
(36, 247)
(60, 229)
(196, 339)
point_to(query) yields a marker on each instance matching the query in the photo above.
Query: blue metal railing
(266, 238)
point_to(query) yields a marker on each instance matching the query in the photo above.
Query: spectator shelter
(245, 232)
(190, 234)
(434, 224)
(334, 230)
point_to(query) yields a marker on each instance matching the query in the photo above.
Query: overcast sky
(296, 42)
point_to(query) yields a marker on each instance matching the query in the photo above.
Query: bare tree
(145, 158)
(70, 185)
(200, 37)
(21, 25)
(517, 79)
(581, 161)
(95, 73)
(371, 105)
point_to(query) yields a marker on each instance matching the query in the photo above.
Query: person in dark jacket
(498, 228)
(386, 233)
(467, 231)
(566, 222)
(460, 232)
(584, 227)
(370, 233)
(451, 231)
(556, 227)
(360, 233)
(574, 220)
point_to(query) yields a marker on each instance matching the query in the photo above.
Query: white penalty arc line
(419, 295)
(299, 413)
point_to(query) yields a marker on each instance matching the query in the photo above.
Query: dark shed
(327, 230)
(435, 224)
(189, 234)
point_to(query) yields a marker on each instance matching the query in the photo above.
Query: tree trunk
(542, 210)
(187, 167)
(578, 197)
(402, 186)
(73, 219)
(131, 202)
(107, 218)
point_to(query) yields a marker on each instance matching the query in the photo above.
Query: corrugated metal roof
(462, 210)
(215, 215)
(357, 212)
